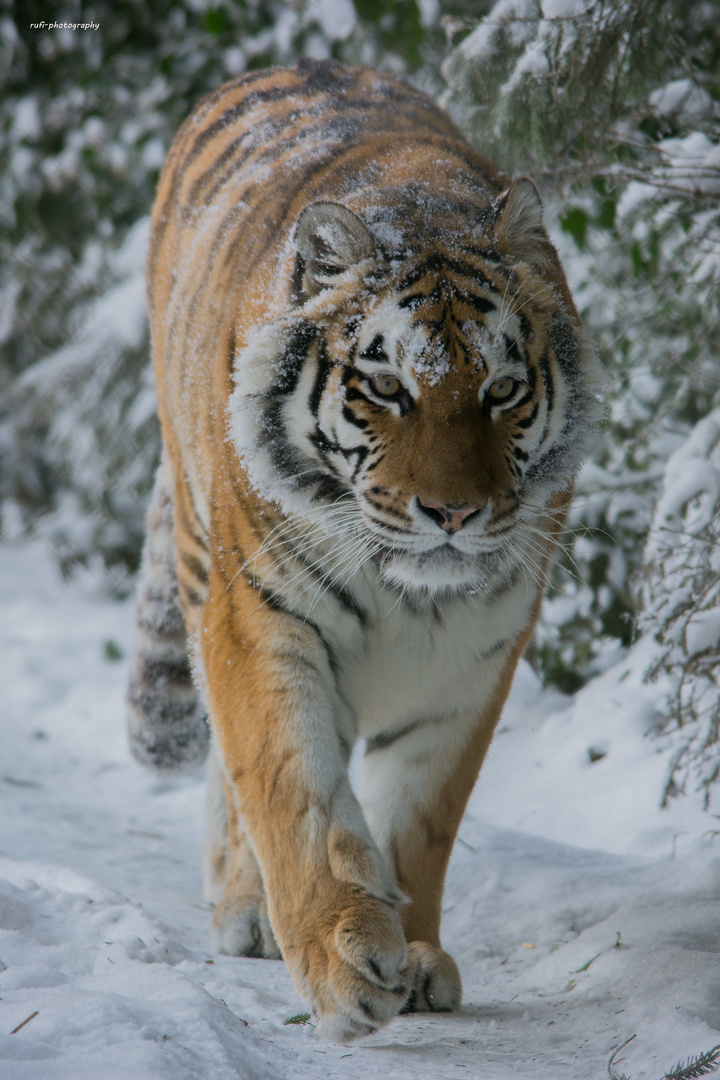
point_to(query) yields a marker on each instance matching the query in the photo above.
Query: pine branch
(298, 1018)
(701, 1065)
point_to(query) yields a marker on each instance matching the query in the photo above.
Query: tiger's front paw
(354, 973)
(241, 927)
(433, 979)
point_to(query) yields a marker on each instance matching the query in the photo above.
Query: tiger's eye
(502, 389)
(385, 385)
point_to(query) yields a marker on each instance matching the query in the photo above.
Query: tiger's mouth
(443, 567)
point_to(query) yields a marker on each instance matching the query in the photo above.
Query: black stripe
(234, 112)
(163, 670)
(293, 357)
(196, 568)
(342, 595)
(351, 418)
(324, 367)
(360, 451)
(285, 457)
(193, 598)
(383, 508)
(325, 444)
(375, 350)
(387, 738)
(485, 254)
(374, 464)
(436, 262)
(277, 604)
(412, 301)
(528, 421)
(192, 526)
(524, 401)
(544, 365)
(477, 303)
(327, 488)
(511, 348)
(352, 393)
(510, 509)
(235, 164)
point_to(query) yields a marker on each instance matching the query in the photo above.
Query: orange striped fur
(374, 393)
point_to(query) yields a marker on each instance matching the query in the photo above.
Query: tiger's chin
(443, 569)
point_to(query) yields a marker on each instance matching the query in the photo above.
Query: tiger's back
(374, 393)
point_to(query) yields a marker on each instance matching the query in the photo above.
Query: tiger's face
(443, 396)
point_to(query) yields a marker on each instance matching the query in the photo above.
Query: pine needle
(696, 1066)
(300, 1018)
(586, 966)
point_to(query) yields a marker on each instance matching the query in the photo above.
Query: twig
(611, 1072)
(27, 1021)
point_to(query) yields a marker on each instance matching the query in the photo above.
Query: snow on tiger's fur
(374, 393)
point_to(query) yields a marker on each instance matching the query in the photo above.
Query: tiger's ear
(329, 239)
(518, 225)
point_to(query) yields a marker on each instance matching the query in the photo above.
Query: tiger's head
(442, 390)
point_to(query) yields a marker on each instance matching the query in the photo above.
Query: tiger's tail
(167, 721)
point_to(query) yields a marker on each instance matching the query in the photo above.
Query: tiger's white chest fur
(414, 665)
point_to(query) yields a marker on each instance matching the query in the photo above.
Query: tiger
(375, 394)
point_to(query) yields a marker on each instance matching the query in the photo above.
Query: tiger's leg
(167, 724)
(414, 789)
(233, 881)
(333, 905)
(217, 821)
(168, 720)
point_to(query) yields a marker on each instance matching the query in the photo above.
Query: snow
(534, 61)
(703, 631)
(516, 16)
(579, 913)
(337, 18)
(682, 94)
(26, 123)
(692, 473)
(429, 12)
(562, 9)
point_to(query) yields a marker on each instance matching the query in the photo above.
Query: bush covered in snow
(682, 605)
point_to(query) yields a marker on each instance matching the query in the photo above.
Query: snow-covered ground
(579, 913)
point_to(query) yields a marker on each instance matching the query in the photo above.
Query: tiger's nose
(449, 518)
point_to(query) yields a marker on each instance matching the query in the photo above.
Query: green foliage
(700, 1065)
(112, 651)
(298, 1018)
